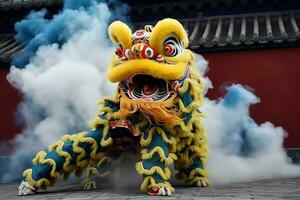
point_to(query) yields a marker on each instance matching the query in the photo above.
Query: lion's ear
(120, 33)
(168, 28)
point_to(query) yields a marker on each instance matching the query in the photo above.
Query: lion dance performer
(155, 110)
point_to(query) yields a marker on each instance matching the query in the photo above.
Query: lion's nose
(140, 50)
(137, 49)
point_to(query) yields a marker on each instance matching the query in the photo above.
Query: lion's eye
(172, 47)
(127, 53)
(169, 50)
(119, 51)
(148, 52)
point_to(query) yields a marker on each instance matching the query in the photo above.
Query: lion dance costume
(155, 111)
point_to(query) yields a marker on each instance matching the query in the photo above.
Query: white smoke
(239, 149)
(61, 87)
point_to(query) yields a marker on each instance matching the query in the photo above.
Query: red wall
(9, 99)
(275, 77)
(273, 74)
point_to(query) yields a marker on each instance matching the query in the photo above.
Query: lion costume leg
(191, 161)
(156, 158)
(73, 152)
(192, 142)
(96, 170)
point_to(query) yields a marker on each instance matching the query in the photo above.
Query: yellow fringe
(199, 179)
(161, 111)
(195, 87)
(198, 171)
(188, 109)
(182, 129)
(163, 158)
(158, 130)
(102, 159)
(40, 158)
(96, 122)
(58, 148)
(76, 140)
(108, 112)
(183, 142)
(198, 150)
(192, 179)
(115, 99)
(141, 125)
(164, 173)
(185, 159)
(43, 182)
(106, 142)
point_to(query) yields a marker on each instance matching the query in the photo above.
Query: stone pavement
(266, 189)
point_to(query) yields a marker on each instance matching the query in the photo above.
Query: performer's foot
(90, 185)
(159, 191)
(203, 183)
(26, 189)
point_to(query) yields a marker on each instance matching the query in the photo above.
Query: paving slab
(274, 189)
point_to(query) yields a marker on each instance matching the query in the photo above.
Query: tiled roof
(254, 30)
(8, 47)
(20, 4)
(245, 29)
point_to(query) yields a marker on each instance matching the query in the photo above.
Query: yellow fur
(121, 71)
(165, 174)
(120, 33)
(58, 147)
(157, 130)
(164, 29)
(43, 182)
(168, 160)
(161, 111)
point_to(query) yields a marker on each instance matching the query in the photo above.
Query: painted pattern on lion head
(151, 65)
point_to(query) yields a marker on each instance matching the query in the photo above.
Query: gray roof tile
(247, 29)
(19, 4)
(8, 47)
(214, 32)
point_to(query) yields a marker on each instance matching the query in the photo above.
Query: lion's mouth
(143, 86)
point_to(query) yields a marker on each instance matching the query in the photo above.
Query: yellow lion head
(150, 66)
(159, 51)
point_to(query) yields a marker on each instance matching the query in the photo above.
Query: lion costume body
(155, 111)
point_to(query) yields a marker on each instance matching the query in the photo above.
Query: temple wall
(272, 73)
(9, 99)
(274, 76)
